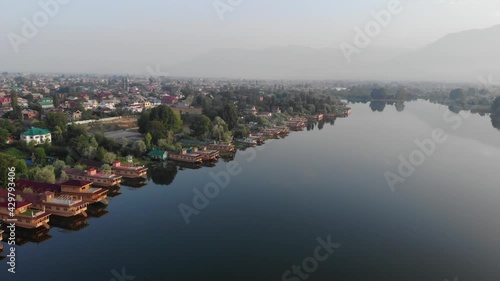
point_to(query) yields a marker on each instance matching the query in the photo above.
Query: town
(73, 140)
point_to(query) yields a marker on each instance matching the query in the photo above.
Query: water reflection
(97, 209)
(377, 106)
(400, 106)
(24, 235)
(72, 223)
(162, 173)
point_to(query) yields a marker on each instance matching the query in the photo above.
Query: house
(46, 102)
(75, 116)
(158, 155)
(5, 101)
(147, 104)
(251, 110)
(264, 114)
(107, 104)
(29, 114)
(276, 109)
(169, 99)
(90, 104)
(37, 135)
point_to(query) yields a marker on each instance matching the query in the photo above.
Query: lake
(290, 197)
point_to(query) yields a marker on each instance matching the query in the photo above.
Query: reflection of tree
(495, 120)
(321, 124)
(164, 173)
(377, 106)
(400, 106)
(455, 108)
(310, 126)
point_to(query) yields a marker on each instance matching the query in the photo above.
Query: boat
(206, 155)
(129, 172)
(1, 236)
(24, 215)
(91, 175)
(85, 190)
(59, 205)
(184, 156)
(247, 141)
(221, 147)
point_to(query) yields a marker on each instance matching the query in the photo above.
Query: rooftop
(36, 131)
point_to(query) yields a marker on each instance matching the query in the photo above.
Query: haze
(118, 36)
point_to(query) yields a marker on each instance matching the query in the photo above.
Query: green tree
(44, 175)
(56, 119)
(109, 157)
(457, 94)
(201, 126)
(139, 148)
(6, 164)
(148, 138)
(229, 114)
(379, 93)
(40, 155)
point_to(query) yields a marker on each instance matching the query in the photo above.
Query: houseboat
(1, 236)
(222, 147)
(184, 156)
(129, 172)
(24, 214)
(247, 141)
(206, 155)
(91, 175)
(59, 205)
(85, 190)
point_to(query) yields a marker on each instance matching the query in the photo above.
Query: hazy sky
(85, 33)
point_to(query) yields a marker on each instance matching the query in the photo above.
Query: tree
(171, 120)
(69, 160)
(106, 169)
(457, 94)
(101, 152)
(44, 175)
(40, 155)
(4, 136)
(109, 157)
(139, 148)
(64, 176)
(6, 163)
(56, 119)
(379, 93)
(229, 114)
(201, 126)
(148, 138)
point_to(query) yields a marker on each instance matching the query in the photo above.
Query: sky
(85, 35)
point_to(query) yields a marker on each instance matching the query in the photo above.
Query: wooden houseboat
(91, 175)
(129, 172)
(24, 214)
(59, 205)
(206, 155)
(221, 147)
(184, 156)
(85, 190)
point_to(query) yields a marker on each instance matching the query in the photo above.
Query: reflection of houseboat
(72, 223)
(85, 190)
(206, 155)
(62, 205)
(222, 147)
(129, 172)
(1, 236)
(24, 215)
(247, 141)
(91, 175)
(184, 156)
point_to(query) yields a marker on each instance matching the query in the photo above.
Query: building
(46, 102)
(37, 135)
(29, 114)
(158, 155)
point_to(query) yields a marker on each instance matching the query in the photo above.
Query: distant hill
(462, 56)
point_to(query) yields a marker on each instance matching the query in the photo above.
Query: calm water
(441, 223)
